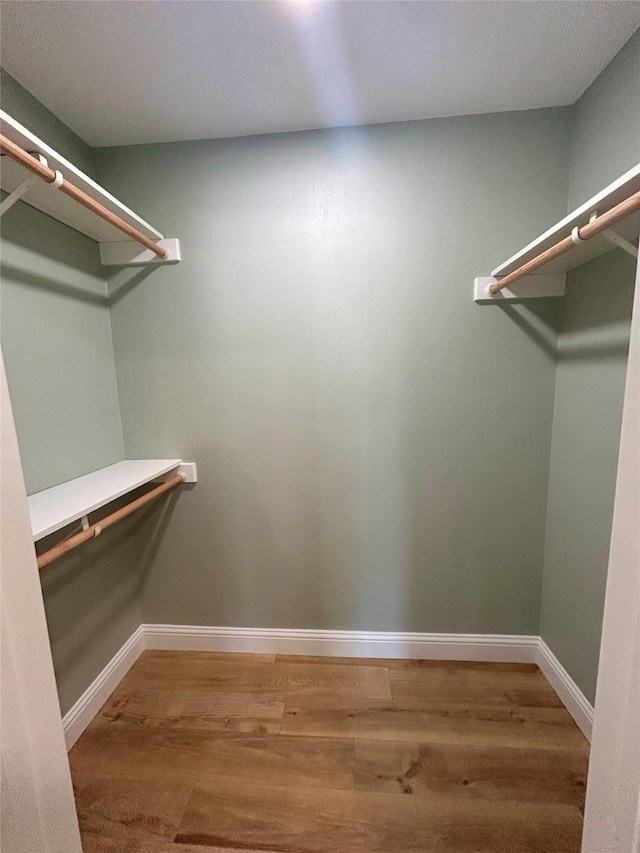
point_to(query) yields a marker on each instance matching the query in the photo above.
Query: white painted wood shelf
(54, 508)
(59, 206)
(548, 276)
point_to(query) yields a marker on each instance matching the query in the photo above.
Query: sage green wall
(592, 360)
(58, 351)
(372, 446)
(605, 131)
(56, 338)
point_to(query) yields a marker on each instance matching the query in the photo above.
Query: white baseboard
(365, 644)
(570, 694)
(496, 648)
(76, 720)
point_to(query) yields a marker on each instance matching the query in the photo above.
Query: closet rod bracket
(56, 183)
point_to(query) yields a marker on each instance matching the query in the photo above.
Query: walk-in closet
(320, 444)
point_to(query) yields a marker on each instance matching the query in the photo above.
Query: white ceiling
(162, 70)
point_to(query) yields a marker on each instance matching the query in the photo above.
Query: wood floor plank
(339, 661)
(436, 722)
(168, 656)
(485, 772)
(485, 686)
(197, 755)
(101, 844)
(227, 813)
(233, 713)
(196, 672)
(407, 663)
(138, 810)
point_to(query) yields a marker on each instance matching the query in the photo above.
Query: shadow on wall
(592, 324)
(540, 319)
(597, 315)
(154, 519)
(39, 251)
(123, 279)
(54, 285)
(610, 341)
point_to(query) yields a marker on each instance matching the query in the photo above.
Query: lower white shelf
(54, 508)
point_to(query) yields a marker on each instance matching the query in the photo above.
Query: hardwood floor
(200, 752)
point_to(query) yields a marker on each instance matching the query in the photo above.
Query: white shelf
(57, 204)
(618, 191)
(54, 508)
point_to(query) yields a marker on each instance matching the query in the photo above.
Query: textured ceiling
(131, 72)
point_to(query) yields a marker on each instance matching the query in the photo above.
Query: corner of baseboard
(568, 691)
(78, 717)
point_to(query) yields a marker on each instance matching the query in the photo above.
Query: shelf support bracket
(22, 188)
(620, 242)
(17, 194)
(130, 254)
(532, 286)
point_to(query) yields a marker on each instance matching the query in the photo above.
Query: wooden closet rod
(49, 175)
(96, 529)
(596, 226)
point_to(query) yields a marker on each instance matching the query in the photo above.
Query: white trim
(612, 809)
(570, 694)
(495, 648)
(365, 644)
(76, 720)
(37, 795)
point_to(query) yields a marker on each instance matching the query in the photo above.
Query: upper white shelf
(54, 508)
(58, 205)
(618, 191)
